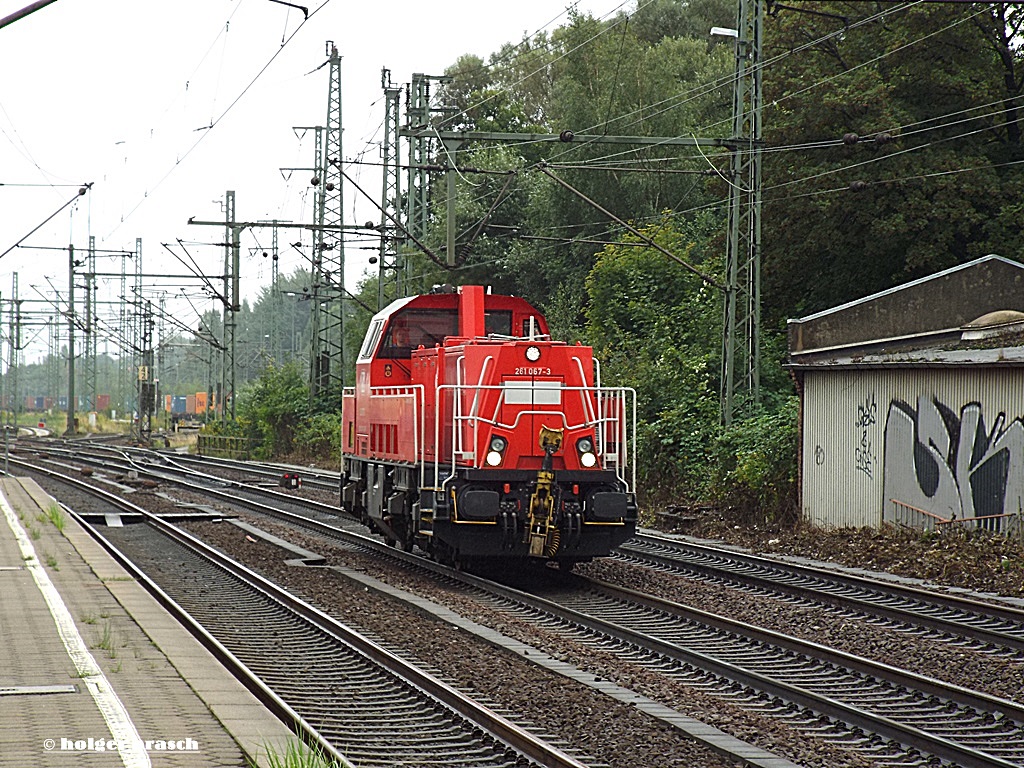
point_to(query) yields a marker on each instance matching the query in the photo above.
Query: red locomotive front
(472, 435)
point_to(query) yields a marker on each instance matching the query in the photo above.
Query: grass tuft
(298, 755)
(57, 517)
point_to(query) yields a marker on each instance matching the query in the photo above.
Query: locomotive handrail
(416, 393)
(583, 377)
(459, 363)
(624, 457)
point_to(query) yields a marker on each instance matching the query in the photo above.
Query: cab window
(498, 322)
(412, 328)
(372, 336)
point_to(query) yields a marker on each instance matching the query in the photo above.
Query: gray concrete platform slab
(90, 662)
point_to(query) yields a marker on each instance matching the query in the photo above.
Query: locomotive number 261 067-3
(532, 371)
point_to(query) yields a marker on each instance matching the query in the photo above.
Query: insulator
(330, 186)
(315, 181)
(883, 138)
(858, 186)
(566, 136)
(850, 138)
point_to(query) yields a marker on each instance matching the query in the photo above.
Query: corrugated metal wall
(947, 440)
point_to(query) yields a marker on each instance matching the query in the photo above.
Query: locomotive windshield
(498, 322)
(411, 328)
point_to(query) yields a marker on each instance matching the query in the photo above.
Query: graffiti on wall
(951, 464)
(864, 454)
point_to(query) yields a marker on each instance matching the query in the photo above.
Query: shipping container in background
(179, 404)
(190, 404)
(200, 402)
(102, 402)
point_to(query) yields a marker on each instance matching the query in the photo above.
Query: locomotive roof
(451, 301)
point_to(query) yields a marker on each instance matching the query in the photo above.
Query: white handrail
(618, 419)
(415, 392)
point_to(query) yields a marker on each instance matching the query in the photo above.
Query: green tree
(272, 408)
(529, 235)
(656, 327)
(928, 174)
(658, 19)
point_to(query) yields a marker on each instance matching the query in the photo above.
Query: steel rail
(500, 728)
(856, 716)
(879, 724)
(997, 625)
(882, 725)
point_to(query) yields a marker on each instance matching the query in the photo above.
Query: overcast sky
(165, 106)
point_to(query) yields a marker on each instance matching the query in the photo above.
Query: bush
(754, 465)
(319, 436)
(272, 408)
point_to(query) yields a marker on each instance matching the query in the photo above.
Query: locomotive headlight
(495, 455)
(533, 354)
(585, 448)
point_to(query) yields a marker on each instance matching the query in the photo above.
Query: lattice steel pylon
(741, 357)
(90, 370)
(327, 358)
(14, 361)
(389, 281)
(417, 112)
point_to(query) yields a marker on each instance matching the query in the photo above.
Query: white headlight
(588, 460)
(493, 458)
(533, 354)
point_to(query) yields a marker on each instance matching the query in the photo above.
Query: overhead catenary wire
(216, 119)
(626, 158)
(81, 191)
(837, 141)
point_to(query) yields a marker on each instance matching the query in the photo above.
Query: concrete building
(912, 402)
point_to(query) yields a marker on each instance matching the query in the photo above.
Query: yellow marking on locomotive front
(540, 532)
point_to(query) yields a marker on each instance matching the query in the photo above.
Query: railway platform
(95, 672)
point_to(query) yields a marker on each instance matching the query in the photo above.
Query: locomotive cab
(472, 434)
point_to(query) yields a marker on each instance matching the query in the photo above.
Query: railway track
(891, 719)
(992, 626)
(989, 626)
(265, 473)
(361, 704)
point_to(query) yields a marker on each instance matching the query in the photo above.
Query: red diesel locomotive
(473, 435)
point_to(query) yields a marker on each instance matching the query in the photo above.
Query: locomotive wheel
(444, 554)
